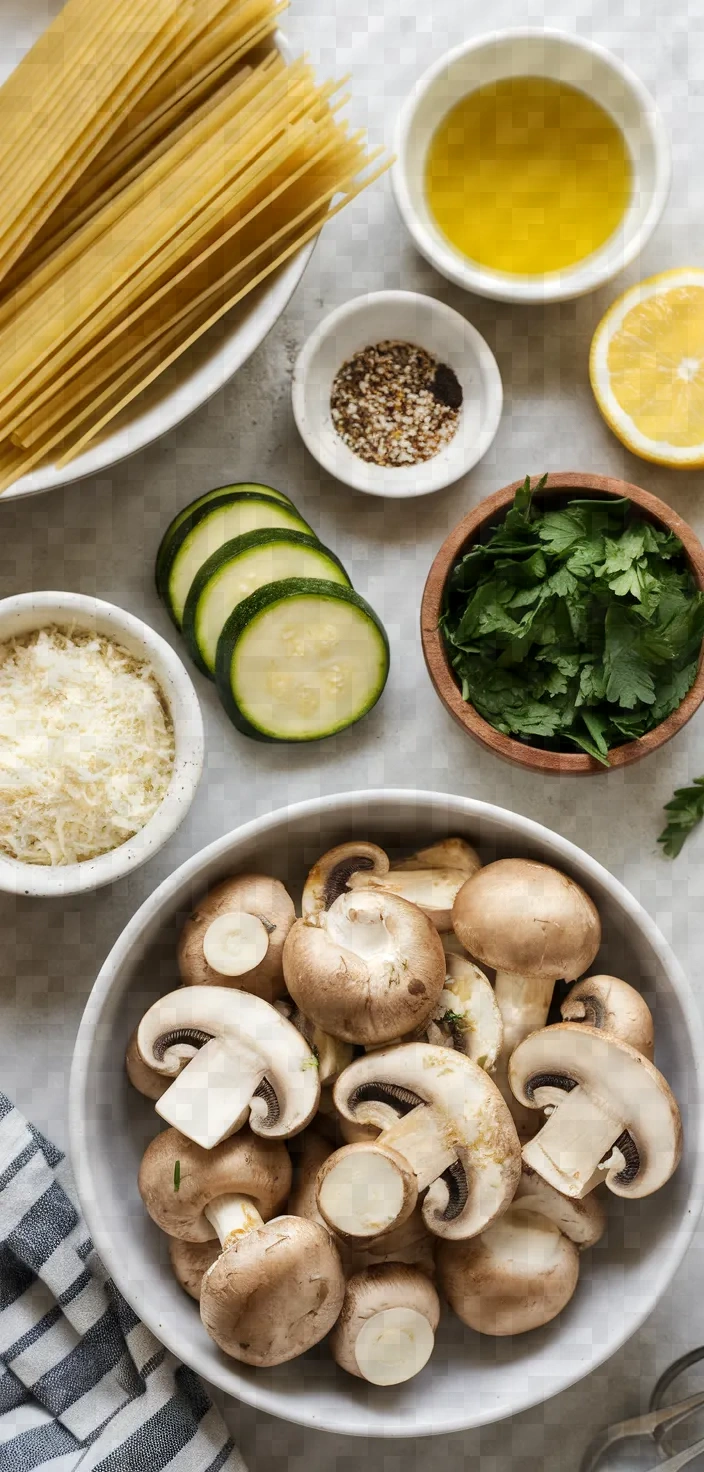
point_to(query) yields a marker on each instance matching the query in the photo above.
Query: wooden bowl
(440, 671)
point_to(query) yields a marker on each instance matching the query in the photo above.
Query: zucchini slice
(203, 500)
(238, 569)
(299, 660)
(207, 529)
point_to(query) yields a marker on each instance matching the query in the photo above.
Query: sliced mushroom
(331, 1054)
(248, 1062)
(366, 970)
(534, 926)
(444, 1127)
(432, 890)
(386, 1331)
(329, 878)
(516, 1276)
(277, 1286)
(235, 937)
(450, 853)
(612, 1112)
(583, 1221)
(613, 1006)
(190, 1262)
(467, 1016)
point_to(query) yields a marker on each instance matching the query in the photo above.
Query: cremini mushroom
(277, 1286)
(444, 1126)
(190, 1262)
(248, 1062)
(368, 969)
(331, 1053)
(235, 936)
(143, 1078)
(467, 1016)
(612, 1114)
(449, 853)
(610, 1004)
(534, 926)
(329, 877)
(386, 1331)
(523, 1270)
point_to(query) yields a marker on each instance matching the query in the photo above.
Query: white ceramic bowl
(470, 1380)
(532, 52)
(28, 611)
(407, 317)
(205, 368)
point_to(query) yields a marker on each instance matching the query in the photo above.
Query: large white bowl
(205, 368)
(24, 613)
(567, 58)
(470, 1380)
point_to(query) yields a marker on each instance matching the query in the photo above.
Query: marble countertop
(100, 537)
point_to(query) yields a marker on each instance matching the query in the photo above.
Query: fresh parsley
(686, 810)
(578, 626)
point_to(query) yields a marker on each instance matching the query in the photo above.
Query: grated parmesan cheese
(86, 746)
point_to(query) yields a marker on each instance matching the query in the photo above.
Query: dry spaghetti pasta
(218, 164)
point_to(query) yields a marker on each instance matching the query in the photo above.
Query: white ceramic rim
(431, 475)
(177, 688)
(271, 299)
(557, 286)
(466, 807)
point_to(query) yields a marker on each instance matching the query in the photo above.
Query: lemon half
(647, 368)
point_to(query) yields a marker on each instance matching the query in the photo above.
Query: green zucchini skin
(242, 616)
(230, 550)
(164, 568)
(238, 488)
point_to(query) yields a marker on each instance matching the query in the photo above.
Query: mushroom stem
(232, 1217)
(524, 1003)
(210, 1099)
(576, 1137)
(235, 943)
(422, 1138)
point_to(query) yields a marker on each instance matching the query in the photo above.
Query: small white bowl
(545, 53)
(28, 611)
(403, 316)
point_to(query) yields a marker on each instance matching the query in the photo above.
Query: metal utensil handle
(678, 1367)
(683, 1459)
(647, 1425)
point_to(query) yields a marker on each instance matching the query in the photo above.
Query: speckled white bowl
(28, 611)
(406, 316)
(470, 1380)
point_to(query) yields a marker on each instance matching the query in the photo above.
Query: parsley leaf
(686, 810)
(628, 678)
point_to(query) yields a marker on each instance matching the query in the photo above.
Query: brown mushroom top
(528, 919)
(515, 1277)
(610, 1004)
(190, 1262)
(178, 1179)
(258, 895)
(274, 1293)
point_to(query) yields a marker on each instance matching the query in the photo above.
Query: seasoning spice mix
(395, 404)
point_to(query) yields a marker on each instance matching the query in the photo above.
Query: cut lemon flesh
(647, 368)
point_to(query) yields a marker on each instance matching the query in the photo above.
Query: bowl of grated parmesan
(101, 743)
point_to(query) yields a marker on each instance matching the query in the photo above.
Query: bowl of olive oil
(531, 166)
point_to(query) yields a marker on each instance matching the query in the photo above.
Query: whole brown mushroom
(235, 936)
(611, 1005)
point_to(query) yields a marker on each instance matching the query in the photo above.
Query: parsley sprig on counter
(574, 627)
(685, 810)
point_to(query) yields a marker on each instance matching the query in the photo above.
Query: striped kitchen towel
(83, 1384)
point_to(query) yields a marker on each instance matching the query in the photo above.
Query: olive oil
(528, 175)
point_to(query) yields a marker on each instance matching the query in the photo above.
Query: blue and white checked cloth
(83, 1384)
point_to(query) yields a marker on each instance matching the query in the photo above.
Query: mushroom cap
(610, 1004)
(449, 853)
(370, 968)
(288, 1097)
(407, 1339)
(410, 1243)
(243, 1165)
(551, 1062)
(515, 1277)
(274, 1293)
(190, 1261)
(143, 1078)
(329, 877)
(255, 894)
(529, 919)
(583, 1221)
(476, 1123)
(432, 890)
(467, 1016)
(310, 1154)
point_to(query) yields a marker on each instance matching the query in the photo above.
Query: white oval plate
(204, 369)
